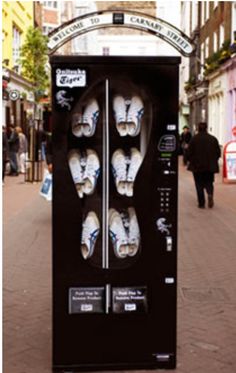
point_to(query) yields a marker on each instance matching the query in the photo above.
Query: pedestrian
(185, 139)
(48, 151)
(203, 155)
(23, 149)
(13, 143)
(5, 152)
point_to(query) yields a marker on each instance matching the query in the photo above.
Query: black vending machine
(115, 150)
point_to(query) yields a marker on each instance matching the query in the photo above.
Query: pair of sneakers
(128, 115)
(124, 232)
(90, 232)
(85, 169)
(84, 124)
(125, 169)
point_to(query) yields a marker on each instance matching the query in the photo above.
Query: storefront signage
(70, 78)
(135, 20)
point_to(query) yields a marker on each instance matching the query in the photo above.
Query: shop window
(202, 57)
(207, 47)
(47, 29)
(222, 34)
(207, 9)
(194, 15)
(215, 41)
(202, 13)
(50, 4)
(105, 51)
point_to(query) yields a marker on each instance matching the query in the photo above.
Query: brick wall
(219, 15)
(38, 14)
(50, 16)
(148, 7)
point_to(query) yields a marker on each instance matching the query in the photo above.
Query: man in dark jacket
(203, 155)
(185, 139)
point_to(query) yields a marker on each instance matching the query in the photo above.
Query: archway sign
(120, 18)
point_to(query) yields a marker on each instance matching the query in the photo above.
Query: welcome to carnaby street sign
(120, 18)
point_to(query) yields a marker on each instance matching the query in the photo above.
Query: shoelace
(134, 165)
(83, 162)
(120, 170)
(76, 171)
(134, 233)
(133, 169)
(120, 235)
(90, 171)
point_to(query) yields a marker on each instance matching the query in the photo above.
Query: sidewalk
(206, 280)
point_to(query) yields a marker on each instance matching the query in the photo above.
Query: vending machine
(115, 148)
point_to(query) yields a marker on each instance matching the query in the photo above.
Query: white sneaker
(135, 163)
(134, 233)
(119, 108)
(119, 169)
(134, 116)
(74, 160)
(76, 125)
(90, 232)
(90, 118)
(91, 172)
(118, 235)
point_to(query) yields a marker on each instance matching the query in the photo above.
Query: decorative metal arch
(121, 18)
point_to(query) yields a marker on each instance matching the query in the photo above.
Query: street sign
(129, 19)
(14, 94)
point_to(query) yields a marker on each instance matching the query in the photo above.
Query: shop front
(18, 100)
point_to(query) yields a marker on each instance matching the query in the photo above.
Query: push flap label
(86, 300)
(129, 299)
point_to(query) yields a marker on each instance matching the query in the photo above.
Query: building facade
(17, 103)
(210, 86)
(222, 101)
(51, 15)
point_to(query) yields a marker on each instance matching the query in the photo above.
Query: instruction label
(129, 299)
(87, 300)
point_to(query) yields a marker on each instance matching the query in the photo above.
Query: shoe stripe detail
(113, 236)
(93, 238)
